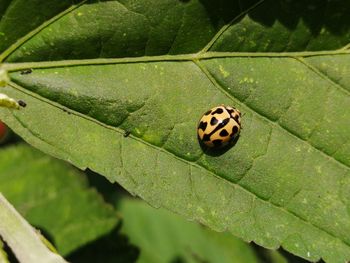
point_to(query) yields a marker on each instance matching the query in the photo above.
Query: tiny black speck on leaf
(26, 71)
(22, 103)
(66, 111)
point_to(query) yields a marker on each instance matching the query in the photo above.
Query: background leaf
(54, 197)
(284, 64)
(176, 240)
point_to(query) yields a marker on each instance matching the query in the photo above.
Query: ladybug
(219, 126)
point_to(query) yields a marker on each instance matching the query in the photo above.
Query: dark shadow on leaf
(314, 13)
(264, 255)
(111, 192)
(46, 234)
(294, 259)
(111, 248)
(214, 152)
(178, 259)
(10, 138)
(3, 7)
(222, 12)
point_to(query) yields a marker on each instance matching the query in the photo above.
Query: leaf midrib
(16, 66)
(195, 58)
(161, 149)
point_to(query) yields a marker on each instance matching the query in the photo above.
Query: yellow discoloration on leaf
(224, 73)
(247, 80)
(200, 209)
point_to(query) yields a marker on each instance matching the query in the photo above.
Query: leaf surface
(152, 68)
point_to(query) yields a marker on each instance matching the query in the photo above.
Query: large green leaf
(54, 197)
(153, 67)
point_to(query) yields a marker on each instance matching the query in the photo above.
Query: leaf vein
(225, 27)
(258, 156)
(11, 67)
(324, 76)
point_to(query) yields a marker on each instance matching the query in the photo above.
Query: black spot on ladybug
(206, 137)
(220, 125)
(208, 112)
(202, 125)
(213, 121)
(236, 118)
(22, 103)
(217, 142)
(234, 130)
(223, 133)
(223, 123)
(230, 111)
(217, 111)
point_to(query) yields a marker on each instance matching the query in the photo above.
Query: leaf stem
(3, 256)
(21, 237)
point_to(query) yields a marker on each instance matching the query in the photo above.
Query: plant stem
(22, 238)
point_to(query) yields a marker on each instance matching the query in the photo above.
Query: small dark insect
(126, 133)
(26, 71)
(66, 111)
(22, 103)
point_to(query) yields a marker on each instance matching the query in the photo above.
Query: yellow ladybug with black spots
(219, 126)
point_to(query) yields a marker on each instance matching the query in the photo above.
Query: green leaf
(165, 237)
(153, 68)
(54, 197)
